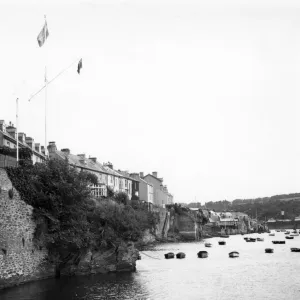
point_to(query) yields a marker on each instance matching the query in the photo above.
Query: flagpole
(46, 85)
(50, 81)
(17, 123)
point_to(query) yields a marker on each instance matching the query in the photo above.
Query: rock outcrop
(119, 259)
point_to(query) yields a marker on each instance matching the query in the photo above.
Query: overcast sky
(206, 93)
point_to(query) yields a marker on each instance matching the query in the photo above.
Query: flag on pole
(79, 67)
(43, 35)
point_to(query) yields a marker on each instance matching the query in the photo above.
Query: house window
(99, 190)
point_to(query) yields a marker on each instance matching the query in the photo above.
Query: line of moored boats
(235, 254)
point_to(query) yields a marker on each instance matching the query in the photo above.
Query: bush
(68, 218)
(121, 198)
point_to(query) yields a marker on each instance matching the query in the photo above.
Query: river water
(254, 275)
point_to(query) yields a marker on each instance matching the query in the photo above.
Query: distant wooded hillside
(267, 207)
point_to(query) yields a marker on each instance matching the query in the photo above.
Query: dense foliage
(69, 218)
(264, 208)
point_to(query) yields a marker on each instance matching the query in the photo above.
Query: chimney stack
(66, 150)
(109, 164)
(81, 156)
(52, 147)
(94, 159)
(2, 126)
(37, 147)
(43, 150)
(11, 130)
(30, 142)
(141, 174)
(154, 174)
(22, 137)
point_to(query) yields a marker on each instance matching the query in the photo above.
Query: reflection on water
(254, 275)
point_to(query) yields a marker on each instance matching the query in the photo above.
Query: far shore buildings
(135, 185)
(8, 138)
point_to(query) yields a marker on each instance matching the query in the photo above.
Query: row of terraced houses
(138, 186)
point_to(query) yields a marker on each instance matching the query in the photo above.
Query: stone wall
(20, 260)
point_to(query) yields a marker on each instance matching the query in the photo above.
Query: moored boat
(260, 239)
(251, 240)
(289, 237)
(208, 245)
(269, 250)
(278, 242)
(222, 243)
(169, 255)
(234, 254)
(180, 255)
(272, 234)
(294, 234)
(295, 249)
(202, 254)
(224, 236)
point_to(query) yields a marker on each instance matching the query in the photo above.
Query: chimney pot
(141, 174)
(154, 174)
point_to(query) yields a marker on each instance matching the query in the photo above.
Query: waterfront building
(161, 195)
(107, 176)
(145, 188)
(8, 138)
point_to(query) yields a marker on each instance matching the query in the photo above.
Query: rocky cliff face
(122, 258)
(22, 261)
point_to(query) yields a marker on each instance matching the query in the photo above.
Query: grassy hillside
(265, 208)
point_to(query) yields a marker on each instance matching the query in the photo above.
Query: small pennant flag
(79, 67)
(43, 35)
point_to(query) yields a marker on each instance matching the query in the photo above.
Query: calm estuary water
(254, 275)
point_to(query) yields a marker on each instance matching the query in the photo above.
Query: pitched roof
(89, 164)
(82, 163)
(126, 175)
(24, 145)
(159, 179)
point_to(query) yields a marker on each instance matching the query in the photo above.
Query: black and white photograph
(150, 150)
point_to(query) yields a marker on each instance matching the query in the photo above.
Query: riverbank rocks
(121, 258)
